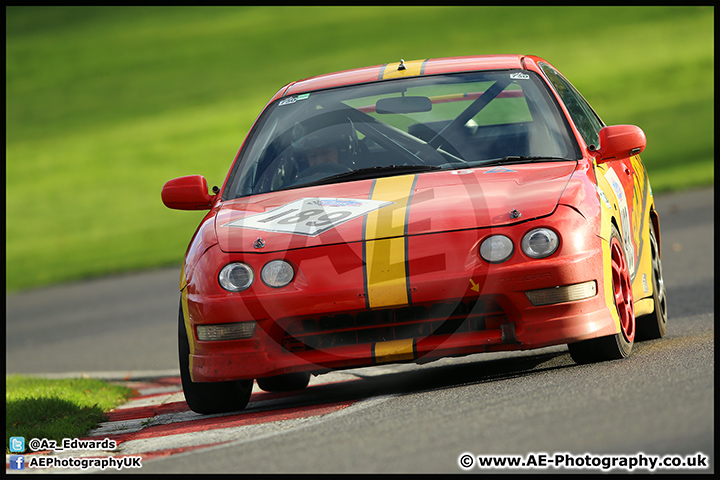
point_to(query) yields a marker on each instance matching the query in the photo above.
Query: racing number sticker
(617, 188)
(309, 216)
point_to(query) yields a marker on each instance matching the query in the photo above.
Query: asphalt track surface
(394, 418)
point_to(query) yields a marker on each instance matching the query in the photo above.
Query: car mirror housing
(187, 193)
(620, 141)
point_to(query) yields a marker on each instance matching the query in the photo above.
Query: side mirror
(187, 193)
(620, 141)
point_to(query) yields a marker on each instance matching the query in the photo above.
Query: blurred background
(105, 104)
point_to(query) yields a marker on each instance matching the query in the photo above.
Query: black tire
(612, 347)
(210, 397)
(285, 383)
(654, 325)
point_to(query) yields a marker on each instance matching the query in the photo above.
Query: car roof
(395, 70)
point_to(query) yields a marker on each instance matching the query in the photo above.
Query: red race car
(411, 211)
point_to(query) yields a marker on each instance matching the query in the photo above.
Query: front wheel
(619, 345)
(209, 397)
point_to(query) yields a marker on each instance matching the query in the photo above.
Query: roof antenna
(402, 65)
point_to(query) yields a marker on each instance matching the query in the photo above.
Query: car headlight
(236, 277)
(277, 273)
(496, 248)
(540, 243)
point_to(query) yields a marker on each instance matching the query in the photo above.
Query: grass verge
(56, 409)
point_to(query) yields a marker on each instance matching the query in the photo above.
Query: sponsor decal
(519, 76)
(621, 198)
(338, 202)
(293, 99)
(604, 198)
(500, 170)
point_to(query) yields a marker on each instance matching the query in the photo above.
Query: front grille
(370, 326)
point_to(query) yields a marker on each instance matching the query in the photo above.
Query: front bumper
(457, 304)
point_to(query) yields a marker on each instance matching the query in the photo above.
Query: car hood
(391, 206)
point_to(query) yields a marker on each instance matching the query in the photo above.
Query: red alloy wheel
(622, 290)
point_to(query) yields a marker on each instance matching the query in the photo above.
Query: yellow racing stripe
(188, 327)
(605, 232)
(385, 247)
(412, 68)
(183, 280)
(393, 351)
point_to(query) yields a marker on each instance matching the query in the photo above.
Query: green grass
(105, 104)
(56, 409)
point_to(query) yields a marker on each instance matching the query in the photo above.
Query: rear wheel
(284, 383)
(210, 397)
(654, 325)
(619, 345)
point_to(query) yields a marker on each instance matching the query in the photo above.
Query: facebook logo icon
(17, 462)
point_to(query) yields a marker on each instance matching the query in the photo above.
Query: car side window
(584, 117)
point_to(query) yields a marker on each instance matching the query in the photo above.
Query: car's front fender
(204, 238)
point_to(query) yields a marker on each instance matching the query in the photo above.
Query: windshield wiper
(523, 159)
(373, 172)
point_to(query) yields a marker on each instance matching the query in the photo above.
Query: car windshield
(401, 126)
